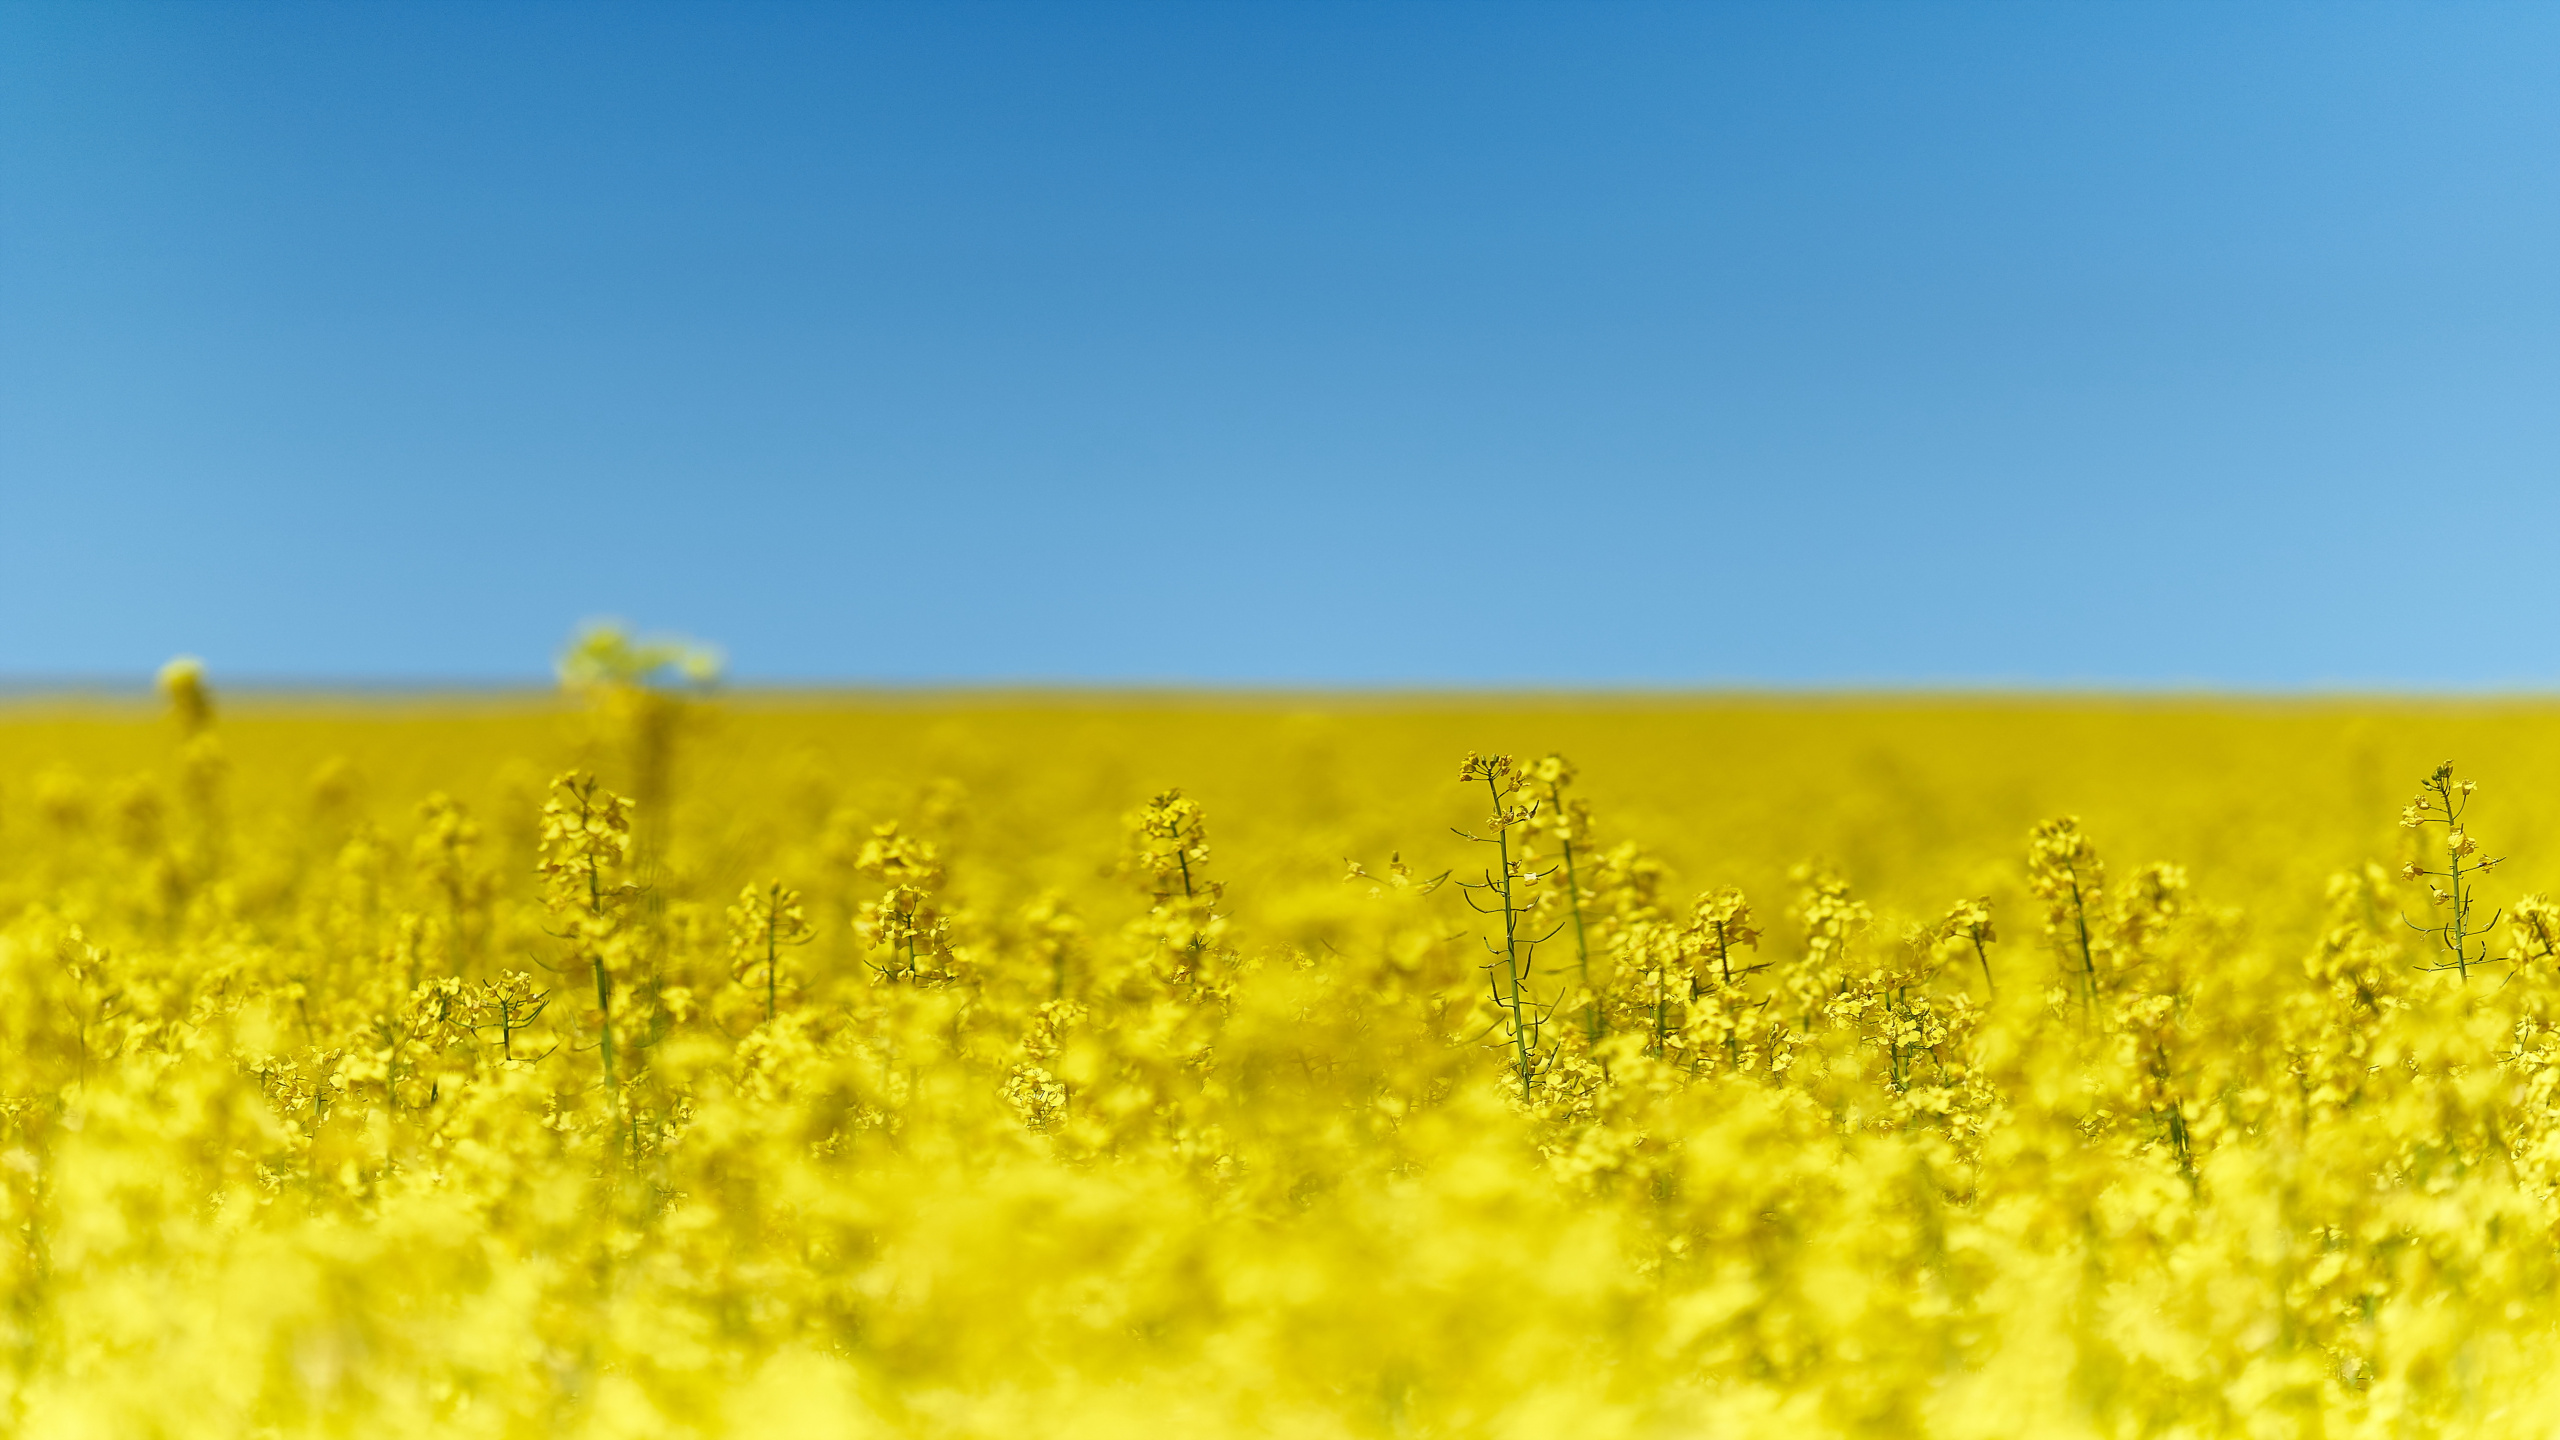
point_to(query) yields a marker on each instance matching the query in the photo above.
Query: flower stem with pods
(1515, 957)
(2443, 800)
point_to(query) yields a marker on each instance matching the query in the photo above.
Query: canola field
(640, 1064)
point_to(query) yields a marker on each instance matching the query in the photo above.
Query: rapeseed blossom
(668, 1066)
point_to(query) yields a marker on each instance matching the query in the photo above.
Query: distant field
(1916, 798)
(925, 1065)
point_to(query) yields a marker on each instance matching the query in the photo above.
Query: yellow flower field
(1020, 1066)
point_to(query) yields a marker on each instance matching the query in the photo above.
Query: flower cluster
(796, 1089)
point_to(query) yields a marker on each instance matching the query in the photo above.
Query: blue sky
(1286, 343)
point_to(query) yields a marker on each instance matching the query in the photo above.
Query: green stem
(1510, 997)
(1593, 1021)
(2460, 936)
(1893, 1034)
(2088, 962)
(604, 985)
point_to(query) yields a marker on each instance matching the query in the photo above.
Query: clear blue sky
(1291, 342)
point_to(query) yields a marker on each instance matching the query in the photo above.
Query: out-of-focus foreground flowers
(657, 1069)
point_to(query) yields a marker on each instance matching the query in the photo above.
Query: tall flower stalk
(1502, 892)
(2454, 887)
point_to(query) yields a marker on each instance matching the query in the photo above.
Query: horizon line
(37, 691)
